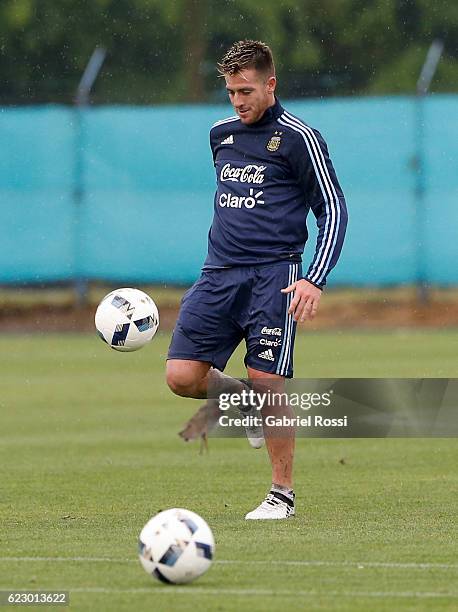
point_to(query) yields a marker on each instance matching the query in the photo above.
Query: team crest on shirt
(274, 142)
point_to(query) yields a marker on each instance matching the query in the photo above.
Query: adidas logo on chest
(228, 141)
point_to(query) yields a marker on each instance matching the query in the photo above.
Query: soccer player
(271, 169)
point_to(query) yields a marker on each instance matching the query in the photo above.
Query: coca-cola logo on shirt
(248, 174)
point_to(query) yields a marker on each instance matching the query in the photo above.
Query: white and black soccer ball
(127, 319)
(176, 546)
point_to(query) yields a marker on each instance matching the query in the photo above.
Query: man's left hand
(304, 304)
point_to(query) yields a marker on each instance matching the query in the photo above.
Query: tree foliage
(165, 51)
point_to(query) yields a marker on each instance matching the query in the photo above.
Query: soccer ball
(127, 319)
(176, 546)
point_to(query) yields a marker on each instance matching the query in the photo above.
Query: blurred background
(106, 177)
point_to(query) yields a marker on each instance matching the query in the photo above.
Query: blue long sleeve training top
(269, 175)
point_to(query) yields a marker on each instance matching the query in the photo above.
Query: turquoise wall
(125, 194)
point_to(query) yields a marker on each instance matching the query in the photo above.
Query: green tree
(162, 51)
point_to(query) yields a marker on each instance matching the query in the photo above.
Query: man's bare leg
(188, 378)
(280, 442)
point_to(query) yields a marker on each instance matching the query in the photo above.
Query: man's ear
(271, 84)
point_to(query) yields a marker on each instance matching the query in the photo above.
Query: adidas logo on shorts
(228, 140)
(267, 355)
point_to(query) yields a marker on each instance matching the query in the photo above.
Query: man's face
(250, 93)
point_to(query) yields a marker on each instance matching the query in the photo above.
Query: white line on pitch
(357, 564)
(304, 563)
(69, 559)
(175, 590)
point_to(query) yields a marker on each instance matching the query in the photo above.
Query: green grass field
(89, 452)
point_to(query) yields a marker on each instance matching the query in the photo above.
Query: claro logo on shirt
(233, 201)
(247, 174)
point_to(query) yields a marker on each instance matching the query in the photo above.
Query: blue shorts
(228, 305)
